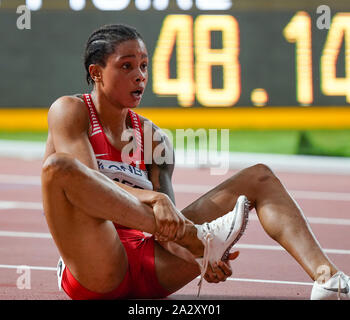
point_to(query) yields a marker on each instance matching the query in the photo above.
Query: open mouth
(137, 93)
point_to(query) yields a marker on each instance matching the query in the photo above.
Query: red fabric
(100, 142)
(140, 281)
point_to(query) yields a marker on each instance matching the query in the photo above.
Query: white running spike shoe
(60, 268)
(336, 288)
(220, 235)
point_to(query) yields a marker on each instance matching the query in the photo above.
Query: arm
(68, 122)
(68, 126)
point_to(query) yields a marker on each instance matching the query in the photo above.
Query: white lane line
(4, 205)
(7, 266)
(279, 248)
(335, 221)
(16, 234)
(20, 179)
(320, 195)
(315, 220)
(43, 235)
(272, 281)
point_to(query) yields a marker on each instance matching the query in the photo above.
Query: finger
(165, 230)
(181, 229)
(169, 230)
(173, 228)
(233, 255)
(226, 268)
(219, 272)
(211, 277)
(159, 227)
(163, 239)
(159, 234)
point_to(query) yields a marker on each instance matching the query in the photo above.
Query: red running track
(263, 270)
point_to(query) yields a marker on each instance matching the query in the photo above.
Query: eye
(144, 66)
(126, 65)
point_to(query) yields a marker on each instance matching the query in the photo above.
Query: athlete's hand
(170, 222)
(221, 270)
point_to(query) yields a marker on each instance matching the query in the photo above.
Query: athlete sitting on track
(97, 207)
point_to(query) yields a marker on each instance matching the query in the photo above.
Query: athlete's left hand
(221, 270)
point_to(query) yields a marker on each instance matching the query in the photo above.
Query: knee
(262, 174)
(262, 171)
(58, 166)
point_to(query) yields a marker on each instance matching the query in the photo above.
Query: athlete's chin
(134, 104)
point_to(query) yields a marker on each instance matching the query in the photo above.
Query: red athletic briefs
(140, 280)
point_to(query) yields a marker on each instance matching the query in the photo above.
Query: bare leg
(80, 205)
(278, 213)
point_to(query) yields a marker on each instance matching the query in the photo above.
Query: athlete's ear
(95, 72)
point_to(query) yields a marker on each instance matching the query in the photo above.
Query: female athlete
(98, 205)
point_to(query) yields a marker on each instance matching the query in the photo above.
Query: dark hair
(103, 42)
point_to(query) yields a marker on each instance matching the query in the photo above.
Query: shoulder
(68, 103)
(162, 153)
(161, 159)
(159, 135)
(69, 109)
(146, 122)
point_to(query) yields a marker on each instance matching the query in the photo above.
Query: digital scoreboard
(203, 53)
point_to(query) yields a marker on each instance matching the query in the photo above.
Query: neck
(112, 117)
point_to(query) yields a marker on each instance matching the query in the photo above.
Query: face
(124, 78)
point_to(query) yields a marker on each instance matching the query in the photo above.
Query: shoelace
(346, 280)
(207, 251)
(207, 239)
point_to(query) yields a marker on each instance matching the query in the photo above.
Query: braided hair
(103, 42)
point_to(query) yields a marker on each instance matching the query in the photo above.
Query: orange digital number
(194, 79)
(298, 31)
(339, 32)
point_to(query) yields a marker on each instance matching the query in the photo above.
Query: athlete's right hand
(170, 222)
